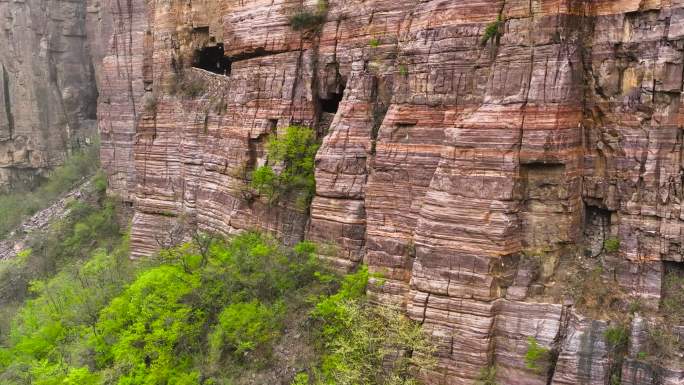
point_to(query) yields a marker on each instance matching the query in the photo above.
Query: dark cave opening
(332, 103)
(211, 59)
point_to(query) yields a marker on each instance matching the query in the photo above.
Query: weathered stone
(444, 158)
(47, 86)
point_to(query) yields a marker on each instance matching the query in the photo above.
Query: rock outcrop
(513, 168)
(48, 93)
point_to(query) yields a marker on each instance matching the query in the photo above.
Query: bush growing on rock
(611, 245)
(492, 31)
(617, 338)
(211, 311)
(294, 153)
(309, 19)
(536, 357)
(186, 84)
(360, 338)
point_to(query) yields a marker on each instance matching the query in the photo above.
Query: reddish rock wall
(480, 179)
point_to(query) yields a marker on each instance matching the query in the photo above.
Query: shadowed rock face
(48, 93)
(481, 178)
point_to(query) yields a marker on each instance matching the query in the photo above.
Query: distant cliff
(48, 93)
(513, 168)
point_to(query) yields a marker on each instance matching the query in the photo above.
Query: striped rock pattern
(480, 177)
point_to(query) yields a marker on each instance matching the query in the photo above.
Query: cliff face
(481, 177)
(48, 94)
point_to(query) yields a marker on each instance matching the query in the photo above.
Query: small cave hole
(272, 126)
(332, 102)
(212, 59)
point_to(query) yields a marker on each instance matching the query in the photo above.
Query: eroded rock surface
(481, 177)
(48, 93)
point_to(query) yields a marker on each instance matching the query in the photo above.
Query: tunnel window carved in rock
(148, 60)
(543, 216)
(672, 292)
(257, 146)
(212, 59)
(596, 229)
(331, 103)
(401, 131)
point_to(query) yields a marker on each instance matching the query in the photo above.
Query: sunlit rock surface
(480, 177)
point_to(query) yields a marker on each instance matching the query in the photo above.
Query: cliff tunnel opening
(543, 218)
(672, 290)
(596, 229)
(331, 104)
(257, 154)
(212, 59)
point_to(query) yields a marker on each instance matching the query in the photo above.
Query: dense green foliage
(201, 313)
(89, 225)
(210, 311)
(536, 356)
(18, 205)
(293, 154)
(359, 338)
(243, 327)
(105, 323)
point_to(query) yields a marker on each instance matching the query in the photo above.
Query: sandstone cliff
(48, 95)
(513, 180)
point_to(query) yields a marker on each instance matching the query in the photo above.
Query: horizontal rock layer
(480, 175)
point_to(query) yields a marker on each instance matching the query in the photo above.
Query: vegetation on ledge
(306, 19)
(290, 168)
(215, 312)
(19, 205)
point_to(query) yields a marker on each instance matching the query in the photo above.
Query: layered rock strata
(480, 166)
(48, 93)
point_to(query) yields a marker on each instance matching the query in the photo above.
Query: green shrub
(374, 42)
(17, 206)
(301, 379)
(403, 70)
(306, 20)
(295, 152)
(359, 338)
(617, 338)
(611, 245)
(266, 182)
(536, 356)
(244, 327)
(492, 31)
